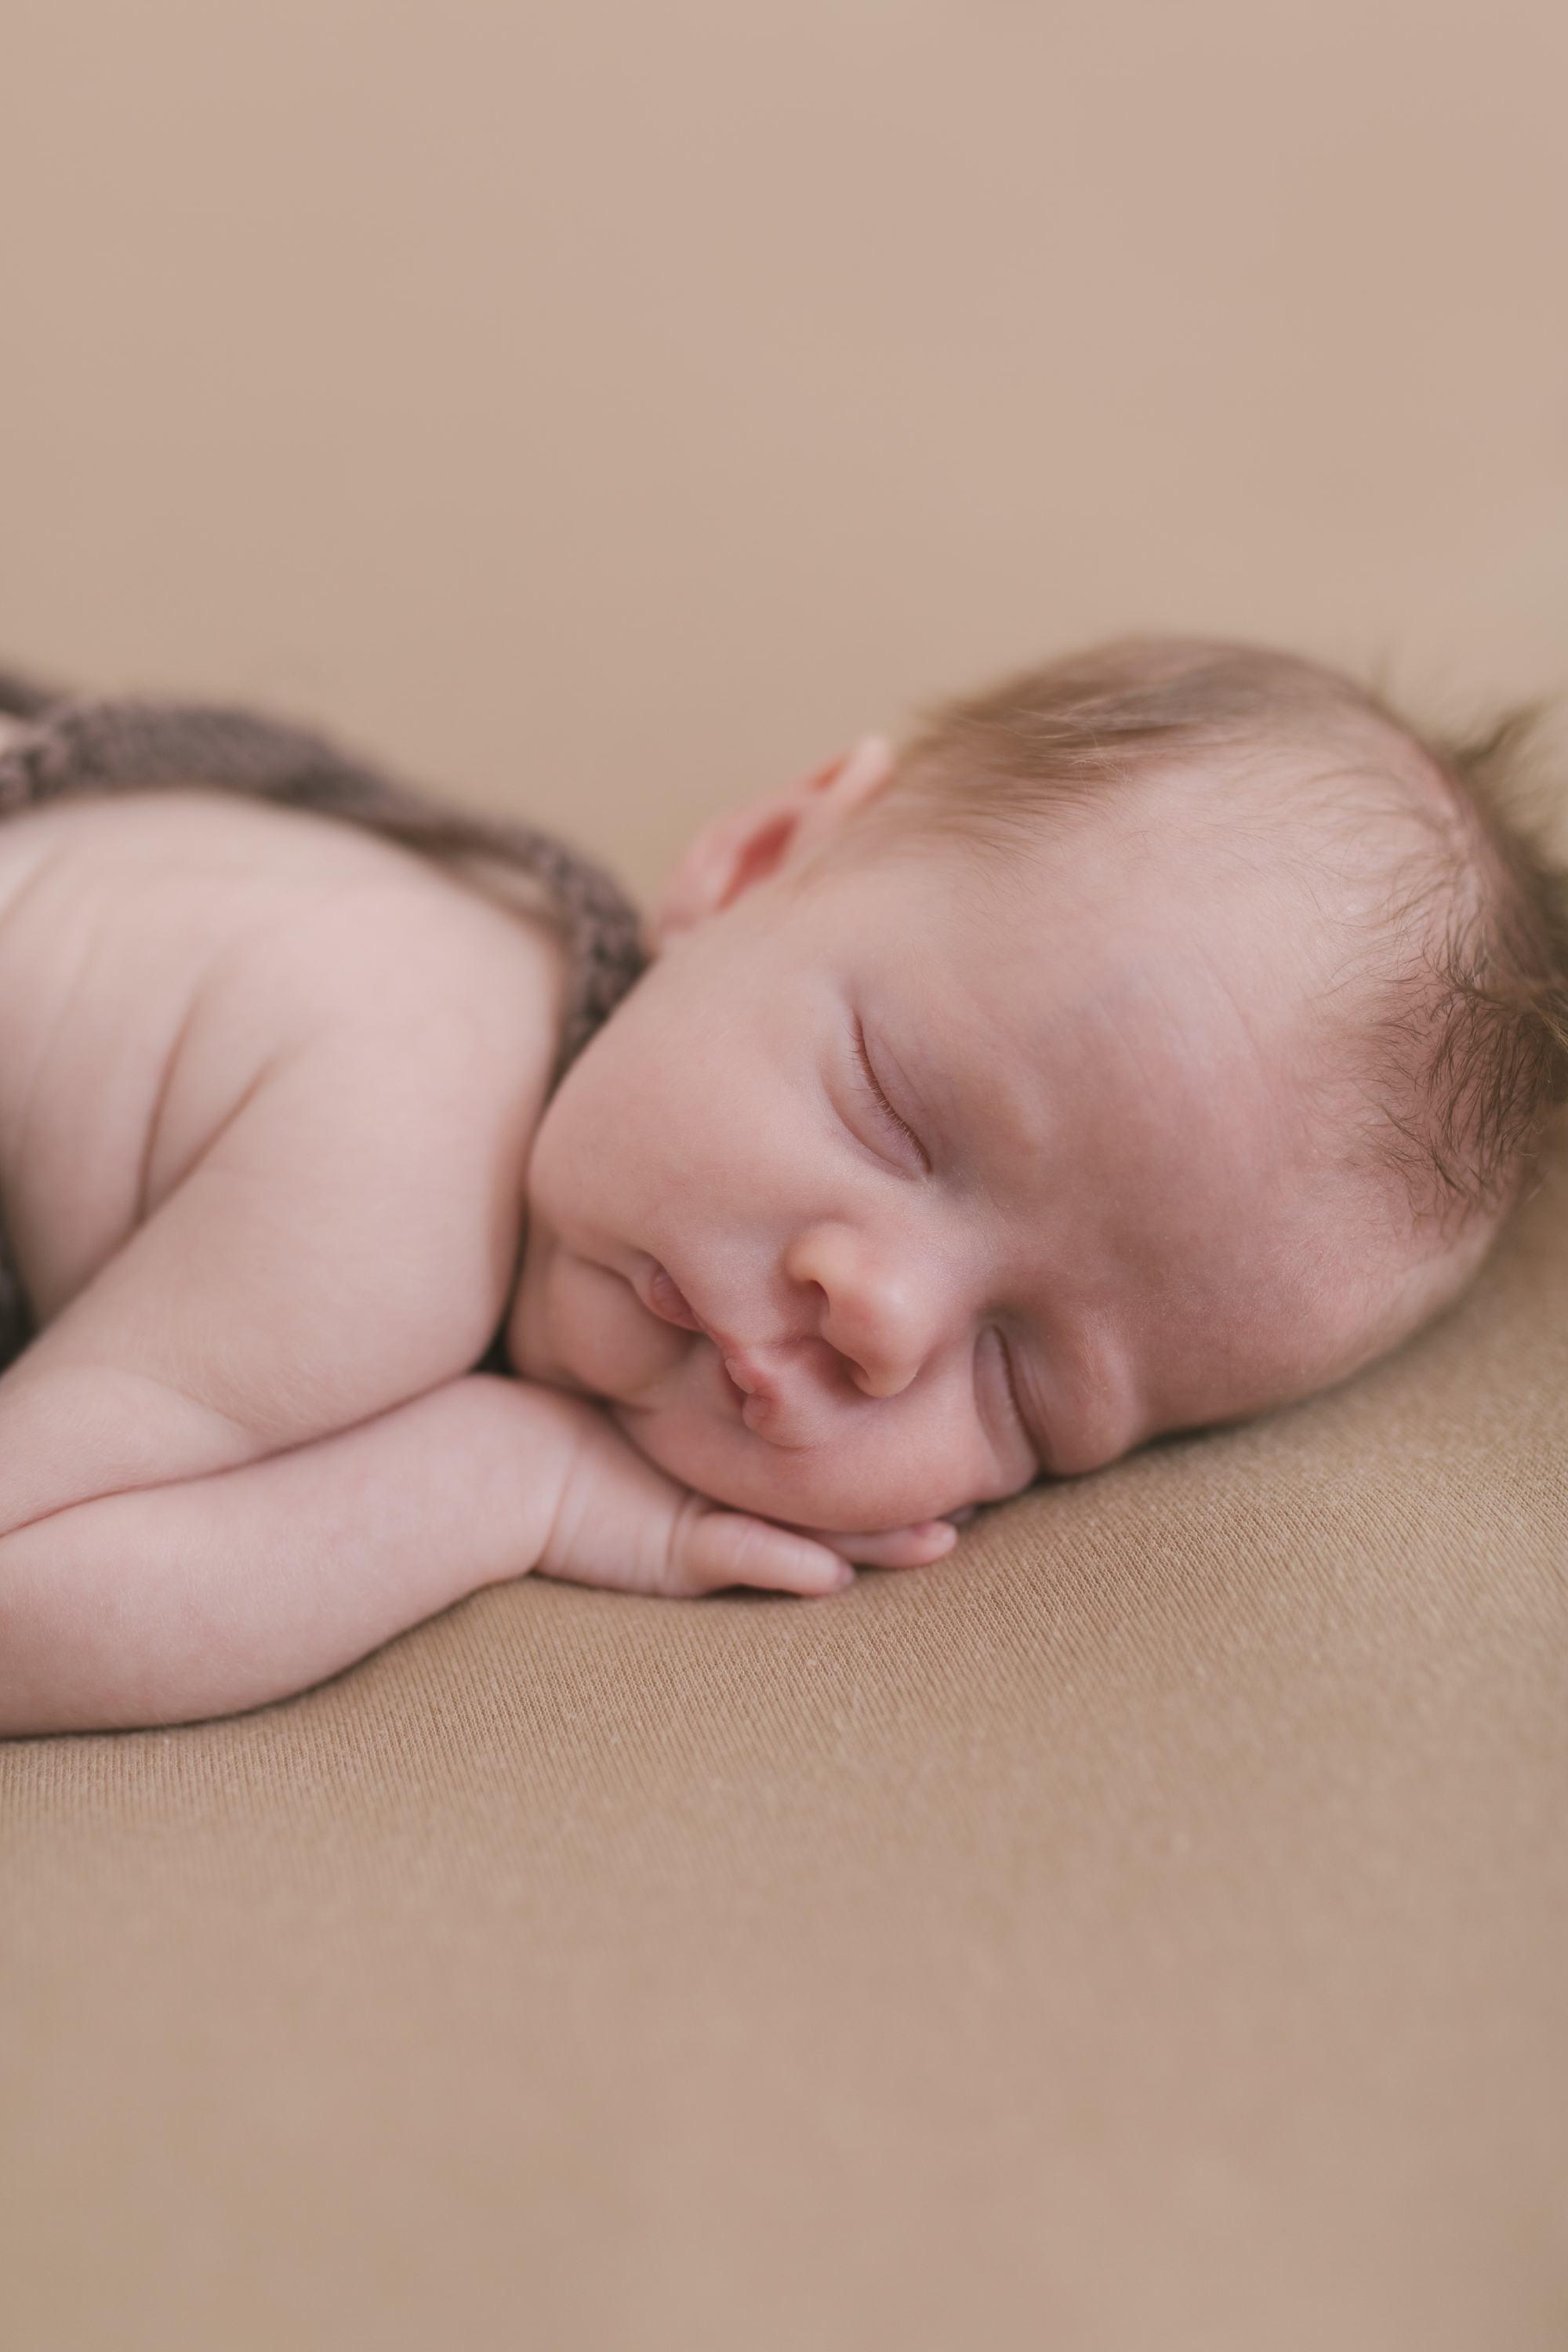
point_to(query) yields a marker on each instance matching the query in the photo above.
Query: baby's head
(1157, 1039)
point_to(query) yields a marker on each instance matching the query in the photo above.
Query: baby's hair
(1466, 1052)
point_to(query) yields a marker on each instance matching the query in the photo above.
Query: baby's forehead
(1118, 951)
(1196, 838)
(1315, 859)
(1256, 926)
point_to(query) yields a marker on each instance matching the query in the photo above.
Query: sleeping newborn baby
(1155, 1040)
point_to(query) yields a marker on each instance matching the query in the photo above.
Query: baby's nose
(871, 1309)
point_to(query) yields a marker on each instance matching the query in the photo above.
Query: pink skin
(908, 1173)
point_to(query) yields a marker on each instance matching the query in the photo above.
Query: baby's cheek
(581, 1326)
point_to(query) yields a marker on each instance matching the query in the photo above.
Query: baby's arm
(219, 1592)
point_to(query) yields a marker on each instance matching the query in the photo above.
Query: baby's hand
(913, 1547)
(621, 1523)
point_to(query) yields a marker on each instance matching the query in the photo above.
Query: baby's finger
(712, 1549)
(914, 1547)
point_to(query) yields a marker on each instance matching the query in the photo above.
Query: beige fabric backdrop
(1151, 1930)
(608, 409)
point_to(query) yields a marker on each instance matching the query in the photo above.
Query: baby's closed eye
(874, 1090)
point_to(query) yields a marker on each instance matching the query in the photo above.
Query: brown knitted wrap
(72, 747)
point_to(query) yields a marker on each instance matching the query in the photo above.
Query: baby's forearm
(177, 1602)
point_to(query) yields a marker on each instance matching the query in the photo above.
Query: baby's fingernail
(845, 1578)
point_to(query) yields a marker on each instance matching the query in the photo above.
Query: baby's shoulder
(165, 957)
(218, 892)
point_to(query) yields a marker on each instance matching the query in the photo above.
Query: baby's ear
(744, 847)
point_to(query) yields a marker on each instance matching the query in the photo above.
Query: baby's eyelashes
(882, 1108)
